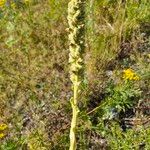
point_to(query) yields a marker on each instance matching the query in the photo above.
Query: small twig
(94, 110)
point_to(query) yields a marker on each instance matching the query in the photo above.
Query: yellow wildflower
(2, 135)
(129, 74)
(2, 3)
(3, 127)
(27, 1)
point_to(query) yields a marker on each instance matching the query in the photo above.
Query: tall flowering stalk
(76, 47)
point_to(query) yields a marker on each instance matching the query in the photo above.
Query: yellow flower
(3, 127)
(2, 135)
(129, 74)
(26, 1)
(2, 3)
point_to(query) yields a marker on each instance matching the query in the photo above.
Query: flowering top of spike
(76, 36)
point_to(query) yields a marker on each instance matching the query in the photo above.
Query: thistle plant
(76, 47)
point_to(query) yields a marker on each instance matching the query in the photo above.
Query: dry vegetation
(35, 88)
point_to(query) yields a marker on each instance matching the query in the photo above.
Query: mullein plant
(76, 47)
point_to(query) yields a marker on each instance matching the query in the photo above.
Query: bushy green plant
(131, 139)
(121, 97)
(121, 94)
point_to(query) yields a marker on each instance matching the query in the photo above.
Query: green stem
(75, 112)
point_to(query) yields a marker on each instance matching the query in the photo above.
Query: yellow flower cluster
(129, 74)
(2, 128)
(2, 3)
(2, 135)
(27, 1)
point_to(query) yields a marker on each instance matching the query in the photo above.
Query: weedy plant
(129, 140)
(76, 39)
(121, 94)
